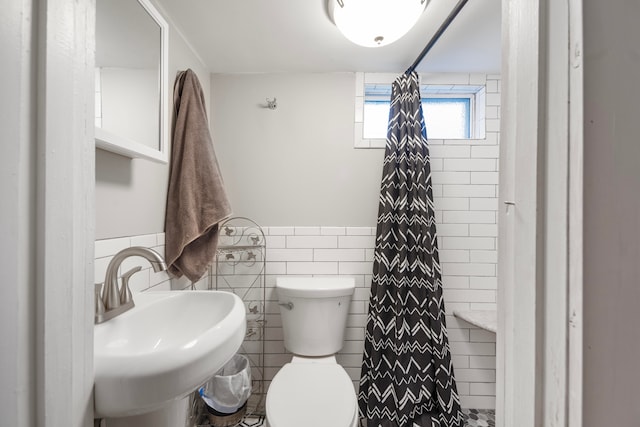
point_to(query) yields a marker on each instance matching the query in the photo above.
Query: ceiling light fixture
(374, 23)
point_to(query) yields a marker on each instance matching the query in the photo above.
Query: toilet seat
(311, 394)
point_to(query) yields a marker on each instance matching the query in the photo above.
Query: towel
(196, 199)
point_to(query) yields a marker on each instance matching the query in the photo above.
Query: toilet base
(355, 422)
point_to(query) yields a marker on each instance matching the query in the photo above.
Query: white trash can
(229, 389)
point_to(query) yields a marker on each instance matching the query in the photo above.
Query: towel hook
(508, 204)
(272, 104)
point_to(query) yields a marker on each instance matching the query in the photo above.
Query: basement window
(450, 111)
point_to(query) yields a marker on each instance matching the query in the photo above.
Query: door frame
(539, 340)
(47, 226)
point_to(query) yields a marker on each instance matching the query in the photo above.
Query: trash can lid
(313, 395)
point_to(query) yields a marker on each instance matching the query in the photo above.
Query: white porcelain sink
(164, 348)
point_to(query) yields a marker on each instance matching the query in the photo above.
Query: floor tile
(479, 417)
(472, 418)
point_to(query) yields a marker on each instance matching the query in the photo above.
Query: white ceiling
(252, 36)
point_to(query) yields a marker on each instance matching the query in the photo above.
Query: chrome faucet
(114, 299)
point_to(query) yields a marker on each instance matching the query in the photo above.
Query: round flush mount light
(374, 23)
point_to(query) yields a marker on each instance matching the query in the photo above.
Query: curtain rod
(437, 35)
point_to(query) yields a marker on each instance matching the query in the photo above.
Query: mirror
(131, 79)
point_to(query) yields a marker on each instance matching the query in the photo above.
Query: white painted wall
(131, 194)
(294, 165)
(611, 214)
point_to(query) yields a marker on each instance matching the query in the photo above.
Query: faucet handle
(99, 308)
(125, 291)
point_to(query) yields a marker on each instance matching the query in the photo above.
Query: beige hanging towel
(196, 199)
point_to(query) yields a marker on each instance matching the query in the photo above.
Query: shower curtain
(407, 375)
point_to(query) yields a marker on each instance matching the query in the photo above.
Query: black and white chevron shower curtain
(407, 375)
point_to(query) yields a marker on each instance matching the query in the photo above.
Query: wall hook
(272, 104)
(508, 204)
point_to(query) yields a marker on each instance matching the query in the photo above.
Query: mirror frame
(127, 147)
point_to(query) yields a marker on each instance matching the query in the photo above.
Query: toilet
(313, 390)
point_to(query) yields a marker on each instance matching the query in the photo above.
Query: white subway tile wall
(473, 349)
(465, 181)
(466, 285)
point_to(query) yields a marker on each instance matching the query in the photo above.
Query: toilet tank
(314, 313)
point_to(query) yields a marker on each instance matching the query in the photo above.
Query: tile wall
(348, 251)
(342, 251)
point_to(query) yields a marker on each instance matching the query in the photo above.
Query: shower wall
(348, 251)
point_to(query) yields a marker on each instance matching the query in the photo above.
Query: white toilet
(313, 390)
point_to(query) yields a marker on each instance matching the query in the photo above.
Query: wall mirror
(131, 79)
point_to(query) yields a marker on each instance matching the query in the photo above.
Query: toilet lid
(311, 394)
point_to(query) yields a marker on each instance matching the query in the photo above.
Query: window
(447, 118)
(450, 111)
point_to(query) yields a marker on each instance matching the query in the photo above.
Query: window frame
(478, 120)
(468, 99)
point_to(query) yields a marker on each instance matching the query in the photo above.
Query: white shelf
(109, 141)
(485, 319)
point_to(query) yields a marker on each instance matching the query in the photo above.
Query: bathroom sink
(164, 348)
